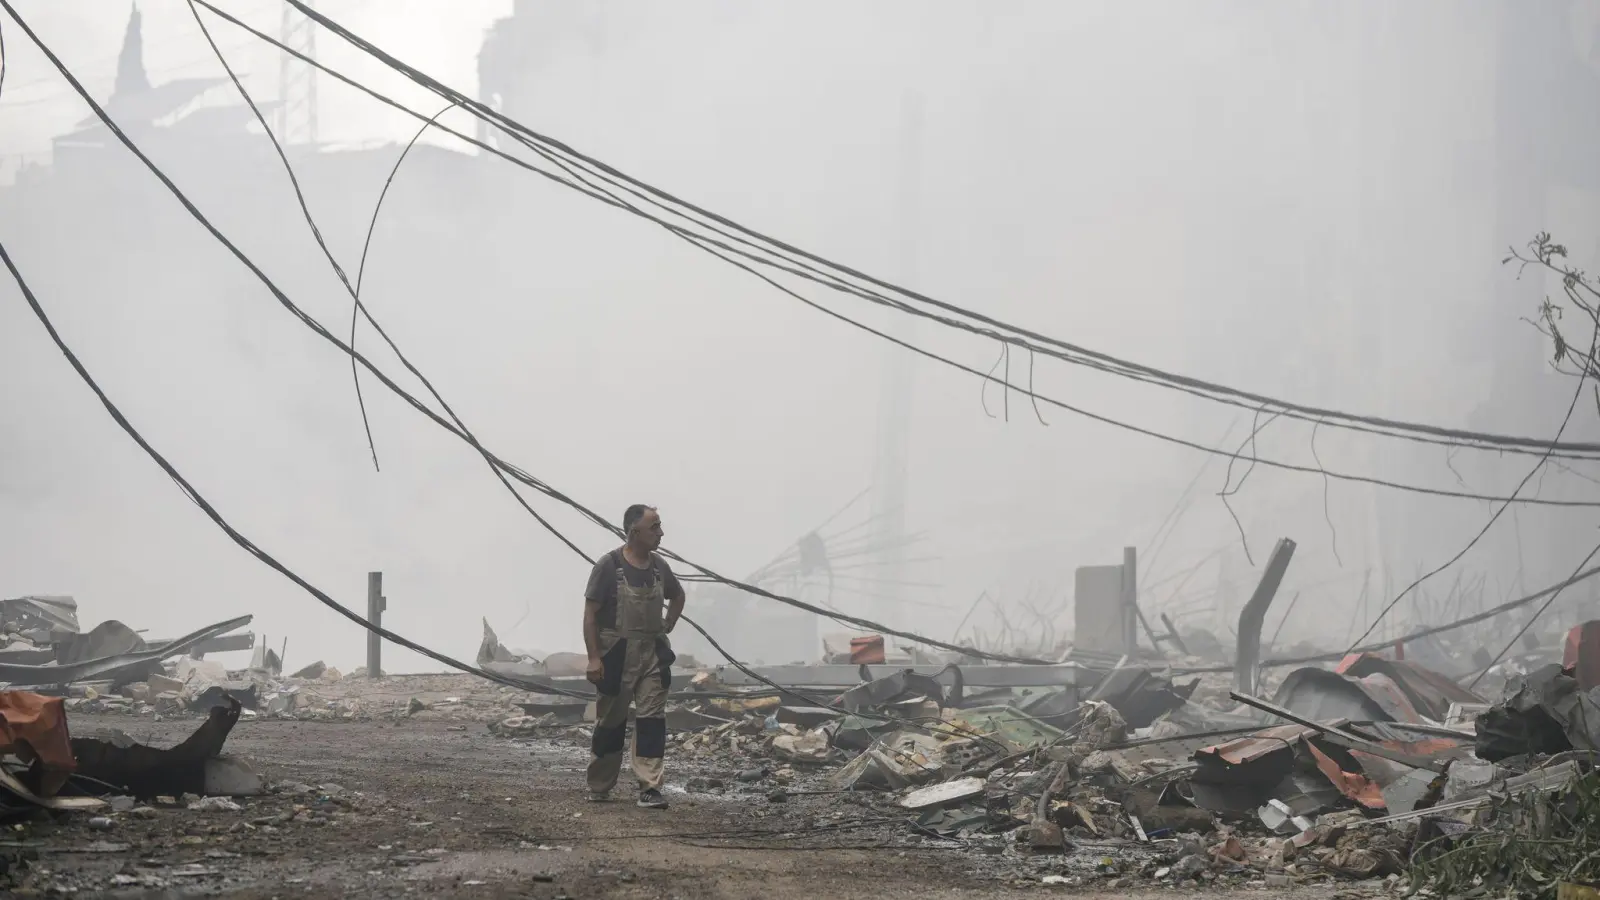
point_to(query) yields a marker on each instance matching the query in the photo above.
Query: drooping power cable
(355, 295)
(721, 249)
(1537, 467)
(460, 433)
(1529, 624)
(498, 464)
(838, 274)
(211, 512)
(361, 268)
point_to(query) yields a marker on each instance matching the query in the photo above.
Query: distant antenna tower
(297, 81)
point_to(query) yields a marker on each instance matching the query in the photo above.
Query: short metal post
(375, 607)
(1254, 614)
(1131, 616)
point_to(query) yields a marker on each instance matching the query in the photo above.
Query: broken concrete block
(1046, 837)
(214, 804)
(950, 793)
(169, 702)
(204, 671)
(229, 776)
(281, 703)
(1190, 867)
(515, 726)
(315, 670)
(161, 684)
(810, 747)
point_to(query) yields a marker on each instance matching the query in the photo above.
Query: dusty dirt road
(385, 809)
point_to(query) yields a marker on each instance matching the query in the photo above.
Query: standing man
(633, 600)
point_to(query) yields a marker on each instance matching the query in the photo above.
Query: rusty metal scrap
(1427, 691)
(34, 728)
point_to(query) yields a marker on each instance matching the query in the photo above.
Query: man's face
(648, 532)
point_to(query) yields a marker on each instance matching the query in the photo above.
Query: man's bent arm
(674, 610)
(591, 628)
(675, 595)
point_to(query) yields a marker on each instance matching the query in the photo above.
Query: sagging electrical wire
(1529, 624)
(1419, 634)
(1327, 514)
(361, 268)
(576, 181)
(1229, 488)
(612, 200)
(832, 274)
(193, 494)
(709, 244)
(355, 294)
(3, 59)
(501, 465)
(722, 251)
(454, 428)
(211, 512)
(496, 462)
(1537, 467)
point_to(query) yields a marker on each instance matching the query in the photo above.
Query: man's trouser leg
(610, 725)
(650, 714)
(610, 736)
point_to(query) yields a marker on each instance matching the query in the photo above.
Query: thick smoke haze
(1308, 200)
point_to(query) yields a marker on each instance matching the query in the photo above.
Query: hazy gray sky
(1293, 197)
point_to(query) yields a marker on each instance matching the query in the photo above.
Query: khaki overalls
(636, 656)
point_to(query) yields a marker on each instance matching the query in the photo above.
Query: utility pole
(894, 403)
(297, 81)
(375, 607)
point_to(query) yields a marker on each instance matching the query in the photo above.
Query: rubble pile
(114, 669)
(31, 627)
(1375, 769)
(192, 687)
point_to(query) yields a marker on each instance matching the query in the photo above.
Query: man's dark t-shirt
(602, 587)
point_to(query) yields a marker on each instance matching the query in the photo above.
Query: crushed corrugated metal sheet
(1428, 692)
(109, 667)
(1323, 695)
(39, 618)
